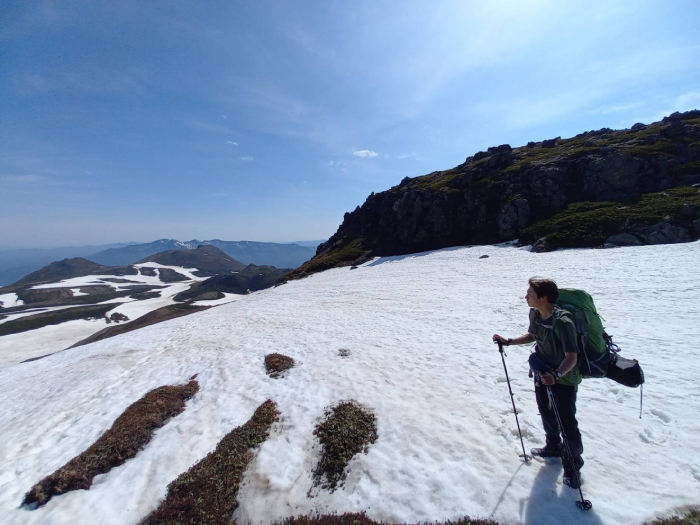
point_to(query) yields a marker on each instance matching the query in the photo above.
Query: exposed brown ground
(156, 316)
(277, 363)
(206, 493)
(131, 431)
(357, 518)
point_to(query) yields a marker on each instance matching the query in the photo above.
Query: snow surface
(9, 300)
(15, 348)
(419, 329)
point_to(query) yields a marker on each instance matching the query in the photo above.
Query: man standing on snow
(553, 329)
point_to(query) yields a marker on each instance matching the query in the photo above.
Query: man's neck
(546, 311)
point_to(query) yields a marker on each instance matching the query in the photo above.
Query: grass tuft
(131, 431)
(277, 363)
(349, 428)
(206, 493)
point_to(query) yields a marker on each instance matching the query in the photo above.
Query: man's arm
(520, 340)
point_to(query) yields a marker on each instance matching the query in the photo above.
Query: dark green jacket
(555, 336)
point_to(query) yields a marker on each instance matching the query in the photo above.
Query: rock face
(495, 195)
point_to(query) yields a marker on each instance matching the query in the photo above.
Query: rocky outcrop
(496, 195)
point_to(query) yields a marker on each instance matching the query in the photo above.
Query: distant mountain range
(247, 252)
(18, 263)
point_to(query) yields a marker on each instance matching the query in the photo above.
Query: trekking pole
(584, 504)
(512, 400)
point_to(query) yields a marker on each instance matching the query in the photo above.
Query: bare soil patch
(206, 493)
(32, 322)
(156, 316)
(131, 431)
(349, 428)
(277, 363)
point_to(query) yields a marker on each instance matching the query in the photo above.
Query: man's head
(540, 290)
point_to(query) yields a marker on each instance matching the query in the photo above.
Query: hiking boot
(572, 479)
(548, 451)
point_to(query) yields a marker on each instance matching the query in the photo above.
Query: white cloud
(232, 143)
(365, 153)
(407, 155)
(23, 178)
(246, 158)
(224, 116)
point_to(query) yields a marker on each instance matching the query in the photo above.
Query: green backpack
(595, 353)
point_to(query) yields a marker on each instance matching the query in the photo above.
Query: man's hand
(547, 379)
(500, 338)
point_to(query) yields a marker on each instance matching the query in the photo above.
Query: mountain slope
(247, 252)
(505, 193)
(18, 262)
(416, 339)
(209, 260)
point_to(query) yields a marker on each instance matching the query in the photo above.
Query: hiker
(553, 329)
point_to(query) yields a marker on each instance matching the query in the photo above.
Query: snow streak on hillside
(419, 329)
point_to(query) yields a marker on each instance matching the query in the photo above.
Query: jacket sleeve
(565, 330)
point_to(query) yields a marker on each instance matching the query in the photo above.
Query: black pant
(565, 399)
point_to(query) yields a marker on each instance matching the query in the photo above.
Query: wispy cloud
(232, 143)
(365, 153)
(23, 179)
(246, 158)
(411, 155)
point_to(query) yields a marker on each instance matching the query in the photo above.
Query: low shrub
(590, 223)
(131, 431)
(692, 517)
(349, 428)
(277, 363)
(206, 493)
(359, 518)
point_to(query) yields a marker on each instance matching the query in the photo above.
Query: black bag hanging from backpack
(625, 371)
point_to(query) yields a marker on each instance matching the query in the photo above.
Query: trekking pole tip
(584, 504)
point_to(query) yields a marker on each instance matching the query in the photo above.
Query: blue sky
(132, 121)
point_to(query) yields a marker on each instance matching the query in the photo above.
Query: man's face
(531, 298)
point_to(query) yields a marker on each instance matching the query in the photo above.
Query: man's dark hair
(544, 287)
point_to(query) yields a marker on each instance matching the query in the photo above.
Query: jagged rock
(496, 195)
(514, 217)
(623, 239)
(666, 233)
(484, 257)
(696, 228)
(608, 245)
(638, 126)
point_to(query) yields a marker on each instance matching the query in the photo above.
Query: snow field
(15, 348)
(419, 329)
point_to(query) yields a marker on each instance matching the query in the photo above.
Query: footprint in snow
(658, 413)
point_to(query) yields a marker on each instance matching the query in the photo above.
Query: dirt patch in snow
(40, 320)
(156, 316)
(206, 493)
(277, 363)
(131, 431)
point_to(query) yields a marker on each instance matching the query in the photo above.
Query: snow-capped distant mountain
(415, 331)
(247, 252)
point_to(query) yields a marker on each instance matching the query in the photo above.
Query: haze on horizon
(267, 121)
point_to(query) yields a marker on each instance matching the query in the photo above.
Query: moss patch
(349, 428)
(347, 254)
(359, 518)
(130, 433)
(275, 364)
(590, 223)
(206, 493)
